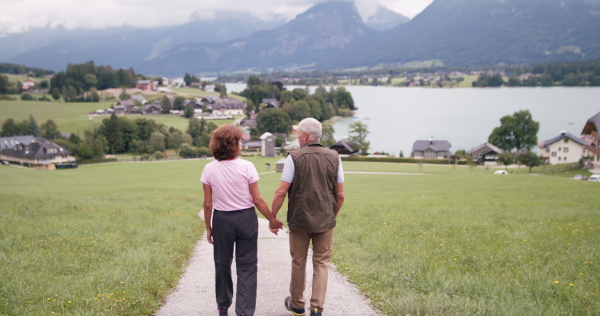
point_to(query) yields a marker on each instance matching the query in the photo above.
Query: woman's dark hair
(225, 142)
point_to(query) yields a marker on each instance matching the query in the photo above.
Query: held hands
(275, 225)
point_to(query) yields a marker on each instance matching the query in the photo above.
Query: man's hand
(275, 226)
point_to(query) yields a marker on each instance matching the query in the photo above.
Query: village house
(431, 149)
(146, 85)
(119, 109)
(152, 109)
(29, 83)
(251, 122)
(224, 106)
(209, 88)
(139, 99)
(591, 128)
(270, 103)
(564, 148)
(12, 141)
(39, 152)
(344, 147)
(252, 145)
(485, 154)
(128, 104)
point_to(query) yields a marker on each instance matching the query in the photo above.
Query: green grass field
(113, 239)
(15, 78)
(72, 117)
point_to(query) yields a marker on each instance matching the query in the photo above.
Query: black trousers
(239, 230)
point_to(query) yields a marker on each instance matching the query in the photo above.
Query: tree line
(294, 105)
(24, 70)
(567, 74)
(581, 73)
(121, 135)
(78, 79)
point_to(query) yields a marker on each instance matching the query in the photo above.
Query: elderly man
(313, 179)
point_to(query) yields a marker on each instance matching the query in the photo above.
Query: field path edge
(194, 295)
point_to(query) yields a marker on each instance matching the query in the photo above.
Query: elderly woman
(231, 188)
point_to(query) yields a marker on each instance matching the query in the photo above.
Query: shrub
(27, 97)
(91, 161)
(403, 160)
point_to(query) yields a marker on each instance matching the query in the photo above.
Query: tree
(344, 99)
(507, 158)
(32, 127)
(11, 128)
(91, 80)
(273, 120)
(178, 103)
(156, 142)
(49, 130)
(55, 94)
(111, 130)
(358, 135)
(166, 104)
(517, 131)
(187, 79)
(93, 95)
(249, 108)
(300, 110)
(256, 93)
(189, 111)
(327, 138)
(530, 159)
(174, 140)
(124, 95)
(5, 85)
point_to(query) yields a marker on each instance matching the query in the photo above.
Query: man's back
(313, 193)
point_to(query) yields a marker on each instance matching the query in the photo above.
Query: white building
(564, 148)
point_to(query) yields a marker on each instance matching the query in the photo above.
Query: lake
(397, 117)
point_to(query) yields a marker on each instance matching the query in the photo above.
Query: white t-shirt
(289, 169)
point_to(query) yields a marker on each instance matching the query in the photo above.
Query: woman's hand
(209, 236)
(275, 225)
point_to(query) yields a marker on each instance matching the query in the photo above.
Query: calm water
(397, 117)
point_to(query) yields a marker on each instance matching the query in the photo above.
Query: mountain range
(333, 35)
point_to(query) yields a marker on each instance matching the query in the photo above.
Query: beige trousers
(299, 241)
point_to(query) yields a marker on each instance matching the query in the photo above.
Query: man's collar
(312, 143)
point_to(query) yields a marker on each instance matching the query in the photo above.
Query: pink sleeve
(252, 174)
(204, 178)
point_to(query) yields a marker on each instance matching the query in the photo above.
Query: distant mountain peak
(385, 19)
(344, 9)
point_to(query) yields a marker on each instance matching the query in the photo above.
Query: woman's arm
(261, 205)
(208, 208)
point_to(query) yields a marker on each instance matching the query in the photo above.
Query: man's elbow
(280, 194)
(340, 196)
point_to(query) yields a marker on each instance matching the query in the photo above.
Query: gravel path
(195, 293)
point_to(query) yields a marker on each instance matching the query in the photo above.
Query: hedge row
(99, 160)
(404, 160)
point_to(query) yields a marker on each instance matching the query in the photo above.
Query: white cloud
(22, 15)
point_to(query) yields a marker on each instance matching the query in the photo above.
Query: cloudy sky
(22, 15)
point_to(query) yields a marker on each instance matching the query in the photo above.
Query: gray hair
(312, 127)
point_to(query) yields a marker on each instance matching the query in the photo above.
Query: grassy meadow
(71, 117)
(113, 239)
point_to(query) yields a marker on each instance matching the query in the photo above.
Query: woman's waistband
(246, 209)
